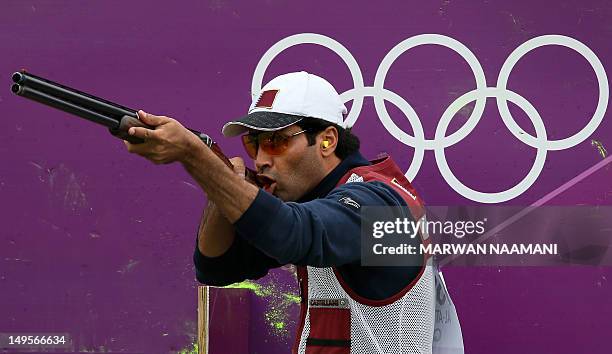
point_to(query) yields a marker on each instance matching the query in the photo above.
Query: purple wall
(98, 243)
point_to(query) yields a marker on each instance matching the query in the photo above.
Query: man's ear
(328, 140)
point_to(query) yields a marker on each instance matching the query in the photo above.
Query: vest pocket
(330, 331)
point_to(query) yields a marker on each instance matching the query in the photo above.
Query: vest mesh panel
(404, 326)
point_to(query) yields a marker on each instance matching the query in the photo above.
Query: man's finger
(143, 133)
(151, 119)
(239, 166)
(145, 149)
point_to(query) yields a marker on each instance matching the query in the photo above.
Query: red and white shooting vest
(334, 319)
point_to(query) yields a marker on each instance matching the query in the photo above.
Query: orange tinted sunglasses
(272, 143)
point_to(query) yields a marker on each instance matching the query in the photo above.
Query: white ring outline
(402, 136)
(602, 80)
(327, 42)
(526, 182)
(447, 42)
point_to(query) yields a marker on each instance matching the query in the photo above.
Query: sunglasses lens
(273, 144)
(250, 145)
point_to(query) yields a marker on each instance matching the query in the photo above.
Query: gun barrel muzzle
(17, 77)
(16, 88)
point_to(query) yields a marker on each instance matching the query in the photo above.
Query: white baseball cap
(286, 100)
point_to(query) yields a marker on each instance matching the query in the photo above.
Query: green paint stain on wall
(600, 148)
(278, 303)
(192, 350)
(293, 298)
(258, 289)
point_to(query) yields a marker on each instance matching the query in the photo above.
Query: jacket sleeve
(321, 233)
(241, 261)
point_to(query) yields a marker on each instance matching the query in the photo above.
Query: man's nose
(263, 160)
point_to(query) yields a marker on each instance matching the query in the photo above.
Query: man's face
(295, 171)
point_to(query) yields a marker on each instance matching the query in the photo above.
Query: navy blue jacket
(318, 230)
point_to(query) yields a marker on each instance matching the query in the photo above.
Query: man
(314, 183)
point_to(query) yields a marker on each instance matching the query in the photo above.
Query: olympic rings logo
(502, 95)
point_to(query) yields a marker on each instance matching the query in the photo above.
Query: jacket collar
(330, 181)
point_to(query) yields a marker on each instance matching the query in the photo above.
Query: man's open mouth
(267, 183)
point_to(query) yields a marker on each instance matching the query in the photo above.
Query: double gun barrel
(115, 117)
(118, 119)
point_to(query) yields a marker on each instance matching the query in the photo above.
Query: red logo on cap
(266, 99)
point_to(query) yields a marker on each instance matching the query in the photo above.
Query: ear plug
(325, 144)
